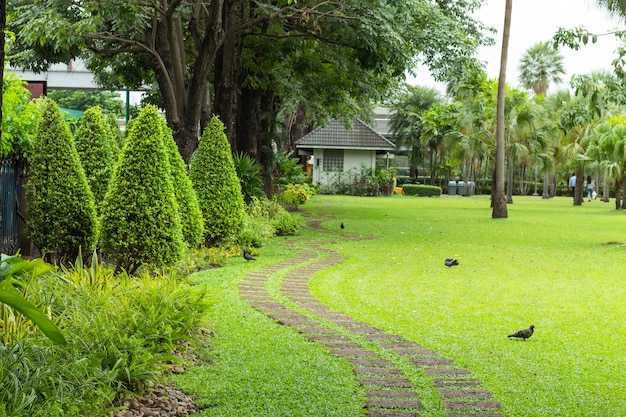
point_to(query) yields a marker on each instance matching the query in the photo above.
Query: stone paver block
(315, 330)
(382, 336)
(354, 353)
(371, 362)
(456, 383)
(431, 361)
(391, 393)
(394, 403)
(465, 393)
(414, 352)
(377, 371)
(478, 406)
(387, 382)
(389, 413)
(446, 372)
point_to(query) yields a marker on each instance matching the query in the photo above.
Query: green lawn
(550, 264)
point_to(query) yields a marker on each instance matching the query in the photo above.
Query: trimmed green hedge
(422, 190)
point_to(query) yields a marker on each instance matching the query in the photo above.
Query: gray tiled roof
(335, 135)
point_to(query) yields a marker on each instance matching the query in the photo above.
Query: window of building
(333, 160)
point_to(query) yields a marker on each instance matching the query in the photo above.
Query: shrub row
(422, 190)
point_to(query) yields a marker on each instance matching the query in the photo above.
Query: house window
(333, 160)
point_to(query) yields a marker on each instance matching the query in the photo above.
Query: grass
(549, 264)
(260, 368)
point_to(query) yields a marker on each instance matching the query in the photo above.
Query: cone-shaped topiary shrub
(95, 146)
(116, 134)
(217, 185)
(188, 206)
(140, 218)
(59, 201)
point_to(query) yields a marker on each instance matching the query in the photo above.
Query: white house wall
(352, 159)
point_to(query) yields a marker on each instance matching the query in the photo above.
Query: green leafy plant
(141, 222)
(14, 274)
(250, 175)
(59, 201)
(96, 149)
(188, 206)
(421, 190)
(217, 186)
(19, 118)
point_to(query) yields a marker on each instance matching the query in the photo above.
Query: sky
(538, 20)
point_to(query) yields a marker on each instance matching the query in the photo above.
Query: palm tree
(498, 201)
(406, 121)
(541, 65)
(614, 7)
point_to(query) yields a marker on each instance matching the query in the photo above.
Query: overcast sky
(538, 20)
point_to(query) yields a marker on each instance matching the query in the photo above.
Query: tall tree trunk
(605, 189)
(227, 71)
(618, 193)
(509, 183)
(546, 186)
(499, 200)
(248, 122)
(579, 191)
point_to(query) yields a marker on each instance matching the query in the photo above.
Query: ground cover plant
(549, 264)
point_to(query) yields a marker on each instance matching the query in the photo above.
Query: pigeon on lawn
(450, 262)
(524, 334)
(342, 226)
(247, 256)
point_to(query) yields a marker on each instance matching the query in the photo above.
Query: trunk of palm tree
(618, 193)
(579, 191)
(499, 200)
(605, 189)
(509, 183)
(546, 186)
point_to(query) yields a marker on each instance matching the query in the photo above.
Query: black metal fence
(11, 177)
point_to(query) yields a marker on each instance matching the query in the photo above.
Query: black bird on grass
(247, 256)
(342, 226)
(451, 262)
(524, 334)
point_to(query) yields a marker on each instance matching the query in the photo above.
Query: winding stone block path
(389, 392)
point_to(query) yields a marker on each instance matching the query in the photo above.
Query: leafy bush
(295, 194)
(122, 331)
(59, 201)
(19, 118)
(191, 218)
(288, 169)
(140, 217)
(217, 186)
(286, 224)
(250, 175)
(255, 231)
(95, 147)
(422, 190)
(362, 182)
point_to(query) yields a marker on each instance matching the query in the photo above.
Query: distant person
(590, 187)
(572, 184)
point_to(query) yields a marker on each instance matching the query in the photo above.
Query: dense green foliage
(109, 101)
(96, 149)
(250, 175)
(19, 118)
(59, 201)
(421, 190)
(140, 216)
(188, 205)
(359, 181)
(121, 331)
(217, 185)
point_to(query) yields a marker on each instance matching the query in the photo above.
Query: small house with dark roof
(337, 149)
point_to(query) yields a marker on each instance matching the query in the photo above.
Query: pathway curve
(380, 358)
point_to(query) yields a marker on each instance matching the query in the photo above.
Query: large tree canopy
(223, 55)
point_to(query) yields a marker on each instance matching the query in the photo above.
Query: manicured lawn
(550, 264)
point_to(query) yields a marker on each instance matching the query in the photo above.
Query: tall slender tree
(498, 202)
